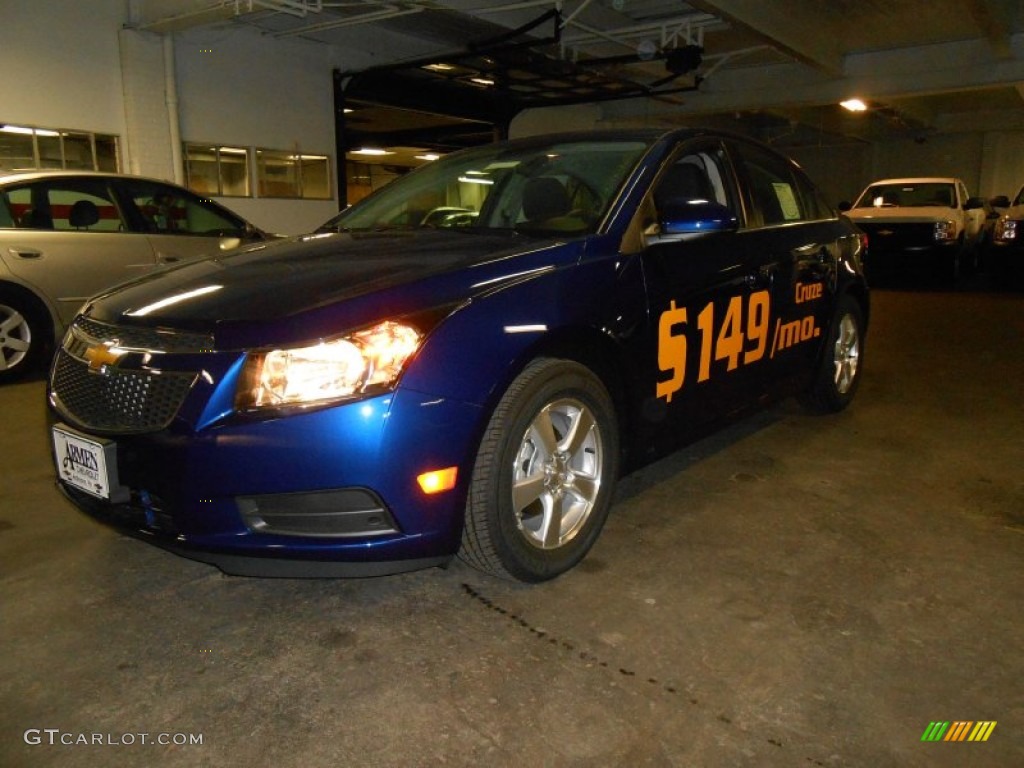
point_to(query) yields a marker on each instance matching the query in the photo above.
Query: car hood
(897, 215)
(1013, 212)
(270, 285)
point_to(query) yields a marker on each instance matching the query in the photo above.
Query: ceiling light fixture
(371, 151)
(854, 105)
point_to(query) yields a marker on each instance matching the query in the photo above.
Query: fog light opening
(438, 480)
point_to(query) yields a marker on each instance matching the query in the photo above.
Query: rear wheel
(22, 336)
(543, 479)
(839, 372)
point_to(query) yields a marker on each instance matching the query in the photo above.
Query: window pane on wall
(16, 152)
(277, 174)
(234, 171)
(106, 153)
(78, 151)
(217, 170)
(201, 169)
(49, 151)
(316, 177)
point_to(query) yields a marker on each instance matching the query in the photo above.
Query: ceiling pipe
(366, 18)
(173, 118)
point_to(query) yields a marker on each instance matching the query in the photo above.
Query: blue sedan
(397, 389)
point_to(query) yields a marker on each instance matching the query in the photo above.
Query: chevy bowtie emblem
(99, 356)
(885, 232)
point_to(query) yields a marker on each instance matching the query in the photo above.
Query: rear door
(68, 239)
(795, 243)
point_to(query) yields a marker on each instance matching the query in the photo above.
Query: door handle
(167, 259)
(25, 253)
(762, 278)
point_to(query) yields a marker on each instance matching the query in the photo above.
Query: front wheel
(21, 337)
(839, 371)
(543, 478)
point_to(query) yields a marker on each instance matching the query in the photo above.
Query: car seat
(84, 214)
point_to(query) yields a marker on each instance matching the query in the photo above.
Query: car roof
(12, 177)
(918, 180)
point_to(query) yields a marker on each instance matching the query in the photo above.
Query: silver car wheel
(557, 473)
(15, 337)
(846, 355)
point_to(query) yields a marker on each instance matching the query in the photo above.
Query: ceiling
(439, 74)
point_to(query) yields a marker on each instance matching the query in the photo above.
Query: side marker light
(438, 480)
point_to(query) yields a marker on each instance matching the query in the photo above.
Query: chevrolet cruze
(395, 389)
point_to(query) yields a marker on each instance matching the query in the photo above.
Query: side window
(15, 205)
(693, 177)
(773, 187)
(73, 205)
(169, 210)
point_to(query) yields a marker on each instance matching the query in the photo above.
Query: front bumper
(330, 492)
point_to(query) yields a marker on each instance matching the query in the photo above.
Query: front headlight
(1006, 229)
(364, 361)
(945, 230)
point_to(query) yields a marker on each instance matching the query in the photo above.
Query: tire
(541, 488)
(839, 372)
(23, 337)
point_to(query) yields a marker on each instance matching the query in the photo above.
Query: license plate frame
(87, 463)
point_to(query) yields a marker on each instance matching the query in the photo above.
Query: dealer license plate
(85, 463)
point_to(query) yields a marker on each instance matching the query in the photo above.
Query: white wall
(61, 65)
(237, 87)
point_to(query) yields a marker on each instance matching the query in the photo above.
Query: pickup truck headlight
(363, 361)
(1006, 229)
(945, 231)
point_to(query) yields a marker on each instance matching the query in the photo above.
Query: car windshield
(558, 188)
(909, 195)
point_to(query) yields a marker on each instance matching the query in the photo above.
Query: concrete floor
(795, 591)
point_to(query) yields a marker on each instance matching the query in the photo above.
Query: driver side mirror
(684, 217)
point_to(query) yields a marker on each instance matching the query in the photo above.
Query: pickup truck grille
(899, 237)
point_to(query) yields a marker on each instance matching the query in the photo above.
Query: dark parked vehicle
(379, 396)
(1006, 253)
(67, 235)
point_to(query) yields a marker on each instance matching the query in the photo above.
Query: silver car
(65, 236)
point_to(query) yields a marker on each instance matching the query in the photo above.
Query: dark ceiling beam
(995, 21)
(437, 137)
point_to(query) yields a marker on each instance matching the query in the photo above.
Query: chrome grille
(115, 399)
(146, 338)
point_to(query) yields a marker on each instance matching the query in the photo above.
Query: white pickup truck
(928, 223)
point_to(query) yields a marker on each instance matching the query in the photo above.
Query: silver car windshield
(561, 188)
